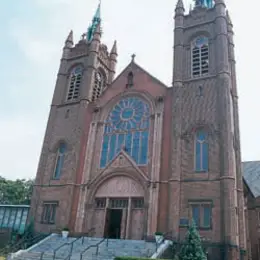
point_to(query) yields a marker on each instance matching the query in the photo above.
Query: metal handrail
(97, 247)
(71, 248)
(89, 231)
(18, 245)
(72, 244)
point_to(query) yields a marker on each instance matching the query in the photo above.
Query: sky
(32, 37)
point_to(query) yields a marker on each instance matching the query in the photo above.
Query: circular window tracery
(127, 127)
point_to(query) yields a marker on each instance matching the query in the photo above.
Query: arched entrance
(119, 209)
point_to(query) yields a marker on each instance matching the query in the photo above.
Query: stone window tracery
(127, 127)
(200, 57)
(99, 84)
(59, 161)
(201, 151)
(74, 83)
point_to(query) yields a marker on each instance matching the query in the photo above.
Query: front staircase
(87, 248)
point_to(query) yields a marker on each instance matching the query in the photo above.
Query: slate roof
(251, 173)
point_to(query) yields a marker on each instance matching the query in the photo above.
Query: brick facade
(169, 183)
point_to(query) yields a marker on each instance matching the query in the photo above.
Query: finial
(180, 4)
(114, 48)
(69, 40)
(133, 57)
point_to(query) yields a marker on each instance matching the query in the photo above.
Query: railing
(71, 248)
(95, 246)
(22, 244)
(89, 231)
(66, 244)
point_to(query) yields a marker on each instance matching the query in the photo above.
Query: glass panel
(52, 213)
(136, 146)
(205, 155)
(144, 148)
(128, 114)
(128, 143)
(138, 203)
(24, 217)
(112, 147)
(198, 156)
(62, 148)
(18, 218)
(6, 218)
(196, 214)
(59, 165)
(120, 142)
(1, 215)
(207, 216)
(12, 217)
(201, 136)
(103, 160)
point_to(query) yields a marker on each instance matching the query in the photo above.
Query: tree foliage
(16, 192)
(192, 248)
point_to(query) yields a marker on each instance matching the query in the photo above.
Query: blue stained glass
(136, 146)
(104, 151)
(144, 143)
(120, 142)
(198, 156)
(207, 216)
(196, 214)
(201, 136)
(205, 160)
(129, 114)
(128, 143)
(112, 147)
(62, 148)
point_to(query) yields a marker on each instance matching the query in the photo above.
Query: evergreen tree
(192, 248)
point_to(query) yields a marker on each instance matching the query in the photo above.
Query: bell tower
(206, 163)
(86, 69)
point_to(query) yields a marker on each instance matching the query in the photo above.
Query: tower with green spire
(95, 22)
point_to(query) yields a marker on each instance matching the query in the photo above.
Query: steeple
(69, 40)
(179, 10)
(95, 22)
(114, 49)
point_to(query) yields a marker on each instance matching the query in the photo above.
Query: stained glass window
(74, 83)
(127, 127)
(59, 161)
(201, 152)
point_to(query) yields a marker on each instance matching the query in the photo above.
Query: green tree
(15, 192)
(192, 248)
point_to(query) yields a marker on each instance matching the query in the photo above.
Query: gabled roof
(132, 66)
(251, 174)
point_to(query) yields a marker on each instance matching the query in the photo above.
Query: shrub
(158, 233)
(65, 229)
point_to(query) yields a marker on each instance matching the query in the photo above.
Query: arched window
(130, 79)
(74, 83)
(200, 57)
(127, 127)
(59, 160)
(99, 84)
(201, 151)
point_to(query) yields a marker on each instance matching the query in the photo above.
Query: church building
(127, 156)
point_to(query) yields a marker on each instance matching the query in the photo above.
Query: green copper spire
(95, 21)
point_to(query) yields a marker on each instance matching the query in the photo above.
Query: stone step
(106, 251)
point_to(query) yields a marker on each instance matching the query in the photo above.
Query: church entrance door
(113, 223)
